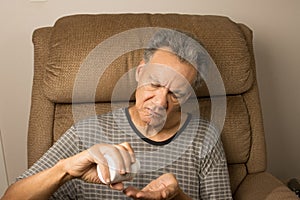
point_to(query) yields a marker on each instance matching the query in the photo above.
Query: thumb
(169, 192)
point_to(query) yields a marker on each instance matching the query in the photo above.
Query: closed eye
(178, 94)
(155, 85)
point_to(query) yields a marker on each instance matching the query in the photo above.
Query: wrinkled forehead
(162, 75)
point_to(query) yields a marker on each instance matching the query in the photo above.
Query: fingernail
(133, 159)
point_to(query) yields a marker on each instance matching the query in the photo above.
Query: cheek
(171, 107)
(141, 97)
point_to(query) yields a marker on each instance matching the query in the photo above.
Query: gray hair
(184, 46)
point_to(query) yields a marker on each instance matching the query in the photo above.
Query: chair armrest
(263, 186)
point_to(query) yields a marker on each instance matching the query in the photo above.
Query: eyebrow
(152, 77)
(179, 92)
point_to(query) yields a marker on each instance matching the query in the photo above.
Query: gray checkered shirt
(194, 155)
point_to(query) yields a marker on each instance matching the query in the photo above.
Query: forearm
(38, 186)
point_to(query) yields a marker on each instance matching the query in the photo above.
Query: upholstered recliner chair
(61, 50)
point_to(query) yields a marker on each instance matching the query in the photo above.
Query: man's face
(163, 85)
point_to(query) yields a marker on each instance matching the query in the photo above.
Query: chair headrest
(75, 39)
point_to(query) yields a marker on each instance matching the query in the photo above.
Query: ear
(139, 69)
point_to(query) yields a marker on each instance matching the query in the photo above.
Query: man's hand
(84, 164)
(164, 187)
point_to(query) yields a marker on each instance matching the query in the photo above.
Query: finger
(149, 195)
(166, 194)
(95, 177)
(100, 160)
(126, 157)
(131, 191)
(115, 159)
(104, 178)
(153, 191)
(117, 186)
(128, 147)
(169, 192)
(154, 186)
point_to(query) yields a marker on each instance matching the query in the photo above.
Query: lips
(156, 112)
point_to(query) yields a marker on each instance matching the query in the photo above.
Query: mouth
(156, 118)
(154, 113)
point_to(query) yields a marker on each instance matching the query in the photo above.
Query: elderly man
(145, 133)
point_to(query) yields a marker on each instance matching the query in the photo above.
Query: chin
(157, 122)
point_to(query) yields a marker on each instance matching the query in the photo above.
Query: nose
(161, 97)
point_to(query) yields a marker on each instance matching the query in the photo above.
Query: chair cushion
(75, 38)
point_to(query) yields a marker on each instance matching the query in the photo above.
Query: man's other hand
(164, 187)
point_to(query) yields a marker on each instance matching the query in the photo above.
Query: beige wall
(276, 26)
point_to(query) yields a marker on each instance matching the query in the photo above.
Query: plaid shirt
(194, 155)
